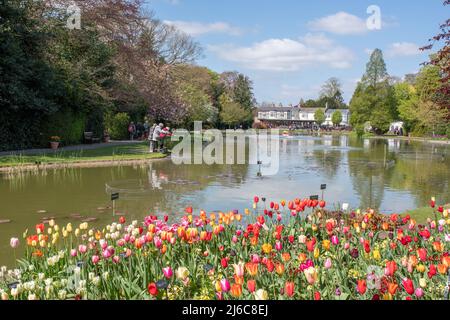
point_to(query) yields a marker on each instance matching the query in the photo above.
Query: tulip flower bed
(294, 250)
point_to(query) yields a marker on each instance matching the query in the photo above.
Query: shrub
(117, 125)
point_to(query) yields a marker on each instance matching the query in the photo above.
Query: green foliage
(66, 124)
(375, 69)
(117, 125)
(232, 113)
(319, 116)
(336, 118)
(374, 98)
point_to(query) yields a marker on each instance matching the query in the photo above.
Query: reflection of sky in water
(414, 172)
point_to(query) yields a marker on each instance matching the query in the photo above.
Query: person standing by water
(150, 138)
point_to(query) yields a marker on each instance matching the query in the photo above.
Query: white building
(303, 117)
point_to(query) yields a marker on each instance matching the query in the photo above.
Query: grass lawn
(421, 214)
(126, 152)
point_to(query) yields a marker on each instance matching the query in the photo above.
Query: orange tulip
(437, 246)
(392, 288)
(286, 256)
(239, 280)
(236, 290)
(289, 289)
(302, 257)
(279, 268)
(252, 268)
(442, 268)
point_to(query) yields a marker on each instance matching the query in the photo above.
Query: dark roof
(282, 109)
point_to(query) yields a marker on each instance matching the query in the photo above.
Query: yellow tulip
(267, 248)
(56, 228)
(246, 211)
(423, 282)
(376, 254)
(420, 268)
(69, 227)
(326, 244)
(387, 296)
(316, 253)
(51, 223)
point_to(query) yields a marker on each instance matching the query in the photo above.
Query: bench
(89, 138)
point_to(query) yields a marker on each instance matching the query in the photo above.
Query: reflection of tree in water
(424, 171)
(328, 158)
(183, 180)
(368, 173)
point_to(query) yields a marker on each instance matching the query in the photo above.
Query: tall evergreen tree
(375, 69)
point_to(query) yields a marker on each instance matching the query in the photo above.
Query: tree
(331, 88)
(407, 102)
(375, 69)
(441, 59)
(232, 113)
(311, 104)
(373, 100)
(336, 118)
(319, 116)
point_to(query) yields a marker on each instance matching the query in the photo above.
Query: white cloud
(287, 54)
(400, 49)
(340, 23)
(198, 28)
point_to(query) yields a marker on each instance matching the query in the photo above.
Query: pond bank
(116, 153)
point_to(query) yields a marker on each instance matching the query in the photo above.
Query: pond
(387, 174)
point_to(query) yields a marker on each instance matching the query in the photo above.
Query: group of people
(156, 134)
(138, 131)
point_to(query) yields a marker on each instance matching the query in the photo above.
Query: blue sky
(289, 48)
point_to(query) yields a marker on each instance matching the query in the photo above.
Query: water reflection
(393, 175)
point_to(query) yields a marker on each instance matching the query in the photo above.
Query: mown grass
(421, 214)
(110, 153)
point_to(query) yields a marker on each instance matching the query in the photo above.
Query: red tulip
(366, 246)
(152, 289)
(317, 295)
(289, 289)
(272, 204)
(432, 271)
(251, 286)
(362, 286)
(422, 253)
(40, 228)
(224, 262)
(408, 286)
(256, 199)
(322, 204)
(189, 210)
(432, 203)
(441, 209)
(391, 267)
(122, 220)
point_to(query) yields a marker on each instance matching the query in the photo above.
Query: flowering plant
(290, 250)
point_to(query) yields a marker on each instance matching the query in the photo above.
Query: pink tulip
(335, 240)
(255, 258)
(168, 273)
(279, 217)
(82, 248)
(234, 239)
(103, 243)
(346, 246)
(121, 242)
(127, 238)
(158, 242)
(106, 254)
(116, 259)
(419, 292)
(225, 285)
(73, 252)
(327, 264)
(95, 259)
(278, 246)
(14, 242)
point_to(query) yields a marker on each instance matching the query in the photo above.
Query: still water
(390, 175)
